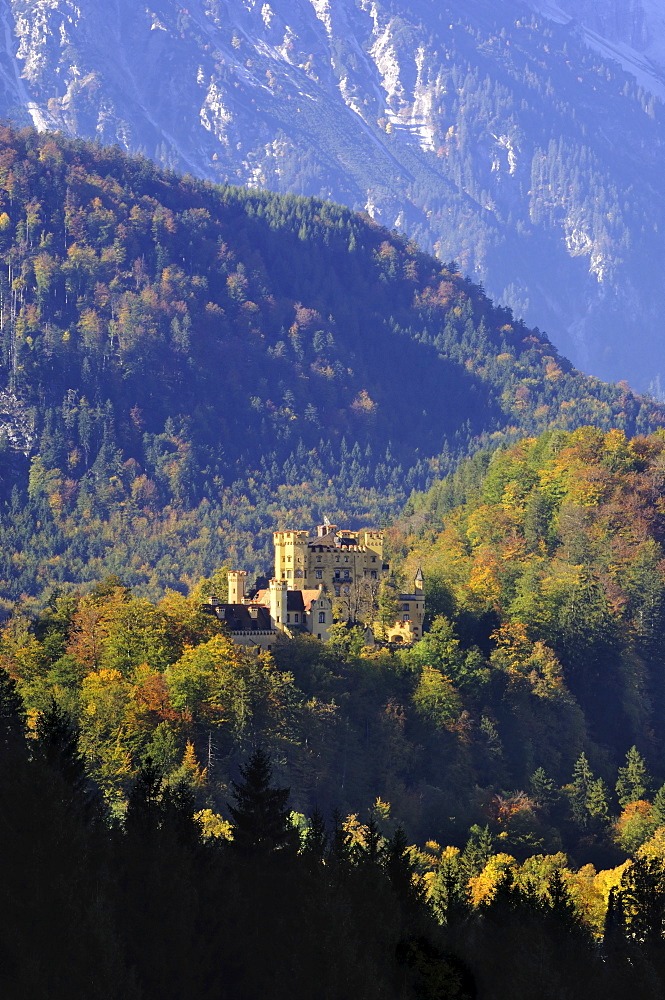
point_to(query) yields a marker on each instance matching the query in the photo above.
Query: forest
(481, 814)
(493, 134)
(494, 791)
(186, 367)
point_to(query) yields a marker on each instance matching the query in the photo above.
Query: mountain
(185, 367)
(491, 133)
(632, 33)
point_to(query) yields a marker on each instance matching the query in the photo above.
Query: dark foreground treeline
(151, 910)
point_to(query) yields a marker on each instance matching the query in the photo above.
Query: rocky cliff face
(488, 132)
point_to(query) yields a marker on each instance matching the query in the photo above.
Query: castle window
(296, 618)
(346, 590)
(373, 574)
(336, 558)
(336, 591)
(322, 618)
(319, 574)
(337, 574)
(346, 558)
(288, 619)
(405, 607)
(318, 558)
(346, 574)
(406, 618)
(288, 574)
(373, 558)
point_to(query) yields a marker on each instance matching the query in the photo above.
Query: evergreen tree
(339, 852)
(315, 844)
(57, 747)
(614, 931)
(633, 780)
(478, 850)
(371, 851)
(399, 868)
(451, 897)
(261, 820)
(561, 903)
(12, 713)
(543, 788)
(143, 806)
(597, 803)
(580, 790)
(659, 806)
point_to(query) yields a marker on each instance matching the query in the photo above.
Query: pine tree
(339, 852)
(478, 850)
(543, 788)
(597, 804)
(614, 931)
(451, 895)
(659, 806)
(399, 868)
(57, 747)
(561, 904)
(143, 807)
(633, 780)
(316, 839)
(261, 820)
(12, 713)
(580, 789)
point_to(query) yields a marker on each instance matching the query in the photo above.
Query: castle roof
(245, 617)
(328, 541)
(310, 597)
(296, 600)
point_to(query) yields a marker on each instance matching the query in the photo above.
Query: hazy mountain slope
(187, 366)
(631, 31)
(494, 136)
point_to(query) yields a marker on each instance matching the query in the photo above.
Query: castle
(336, 565)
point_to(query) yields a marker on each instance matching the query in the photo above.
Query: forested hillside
(187, 366)
(483, 130)
(517, 747)
(545, 581)
(552, 550)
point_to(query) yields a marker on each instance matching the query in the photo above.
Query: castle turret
(418, 582)
(325, 529)
(291, 555)
(278, 602)
(236, 582)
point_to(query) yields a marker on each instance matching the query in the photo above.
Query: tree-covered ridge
(185, 363)
(486, 132)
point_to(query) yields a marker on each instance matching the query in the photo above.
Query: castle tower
(236, 582)
(373, 542)
(278, 602)
(418, 608)
(291, 557)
